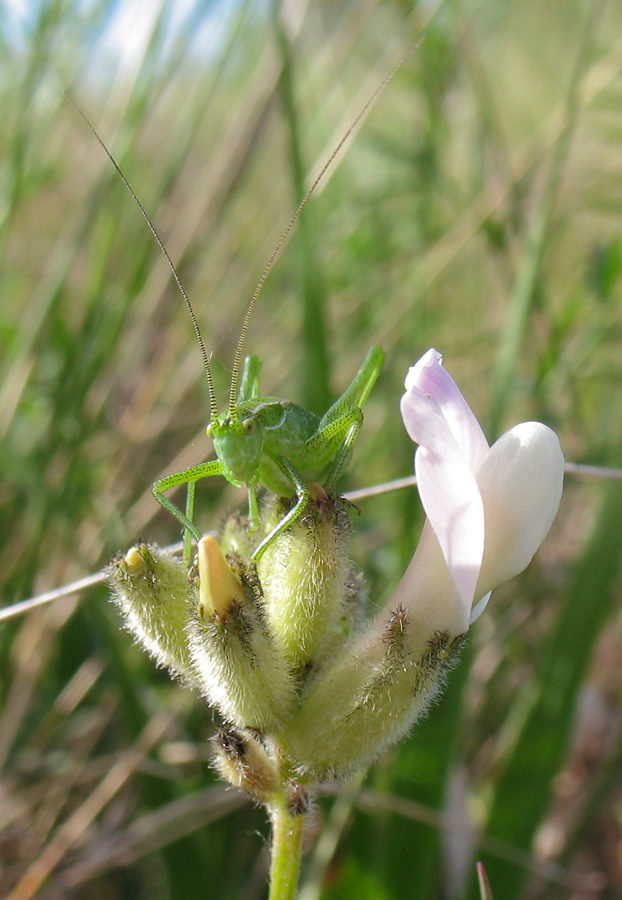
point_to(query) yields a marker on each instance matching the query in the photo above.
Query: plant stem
(286, 851)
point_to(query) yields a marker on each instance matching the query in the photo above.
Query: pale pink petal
(521, 484)
(428, 378)
(452, 502)
(488, 509)
(447, 485)
(429, 594)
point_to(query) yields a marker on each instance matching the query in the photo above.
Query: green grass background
(477, 210)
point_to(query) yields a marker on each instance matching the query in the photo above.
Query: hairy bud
(152, 590)
(312, 597)
(243, 762)
(235, 657)
(367, 698)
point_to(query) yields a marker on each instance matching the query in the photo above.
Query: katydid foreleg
(189, 477)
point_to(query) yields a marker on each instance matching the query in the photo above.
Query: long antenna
(206, 365)
(233, 391)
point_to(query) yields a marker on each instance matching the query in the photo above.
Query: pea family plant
(308, 689)
(268, 619)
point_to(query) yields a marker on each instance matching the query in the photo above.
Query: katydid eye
(209, 430)
(249, 426)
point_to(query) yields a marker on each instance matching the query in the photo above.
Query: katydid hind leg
(343, 432)
(249, 380)
(332, 443)
(359, 389)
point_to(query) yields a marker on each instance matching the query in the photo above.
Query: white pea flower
(488, 508)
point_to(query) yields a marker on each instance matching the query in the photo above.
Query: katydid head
(238, 441)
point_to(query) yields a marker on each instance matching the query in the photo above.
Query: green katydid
(275, 443)
(265, 440)
(268, 441)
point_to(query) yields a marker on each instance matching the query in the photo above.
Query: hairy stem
(286, 851)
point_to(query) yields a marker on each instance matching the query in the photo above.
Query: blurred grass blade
(315, 364)
(529, 272)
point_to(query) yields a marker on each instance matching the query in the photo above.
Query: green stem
(286, 851)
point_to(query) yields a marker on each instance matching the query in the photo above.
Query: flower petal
(488, 509)
(438, 418)
(453, 505)
(429, 594)
(521, 485)
(428, 379)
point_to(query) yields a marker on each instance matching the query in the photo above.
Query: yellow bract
(219, 589)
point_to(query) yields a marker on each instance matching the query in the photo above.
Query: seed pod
(234, 657)
(152, 590)
(367, 699)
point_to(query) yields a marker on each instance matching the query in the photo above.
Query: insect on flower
(263, 440)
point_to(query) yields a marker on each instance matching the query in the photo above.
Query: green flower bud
(235, 659)
(152, 591)
(312, 597)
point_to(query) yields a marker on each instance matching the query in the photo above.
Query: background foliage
(476, 211)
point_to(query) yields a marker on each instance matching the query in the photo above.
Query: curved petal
(521, 485)
(453, 505)
(428, 593)
(434, 412)
(428, 379)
